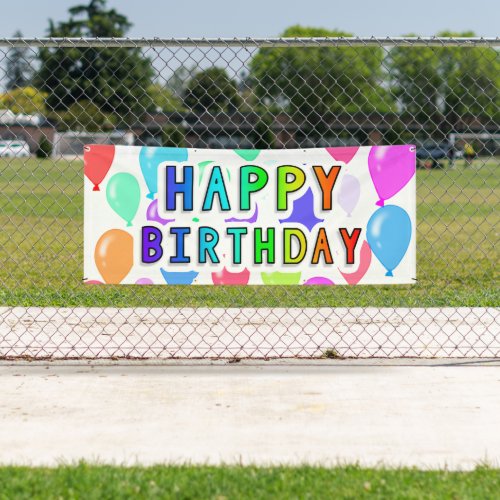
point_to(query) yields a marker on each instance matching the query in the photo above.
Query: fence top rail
(252, 42)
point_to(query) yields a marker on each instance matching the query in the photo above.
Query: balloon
(152, 214)
(114, 255)
(150, 159)
(365, 259)
(319, 280)
(124, 194)
(97, 160)
(226, 277)
(343, 154)
(179, 277)
(279, 278)
(391, 168)
(348, 196)
(144, 281)
(388, 233)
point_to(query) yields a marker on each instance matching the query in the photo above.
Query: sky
(267, 18)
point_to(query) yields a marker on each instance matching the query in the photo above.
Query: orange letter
(326, 183)
(322, 246)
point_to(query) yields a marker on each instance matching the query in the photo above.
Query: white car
(14, 149)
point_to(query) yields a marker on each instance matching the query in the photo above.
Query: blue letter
(185, 187)
(179, 257)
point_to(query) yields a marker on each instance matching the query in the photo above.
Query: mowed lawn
(225, 483)
(41, 241)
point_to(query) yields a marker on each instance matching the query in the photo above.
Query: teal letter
(207, 245)
(217, 187)
(236, 233)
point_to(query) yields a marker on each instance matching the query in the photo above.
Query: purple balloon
(152, 214)
(391, 168)
(349, 193)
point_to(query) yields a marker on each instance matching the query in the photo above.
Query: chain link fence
(441, 94)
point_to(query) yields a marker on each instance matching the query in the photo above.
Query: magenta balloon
(319, 280)
(391, 168)
(349, 193)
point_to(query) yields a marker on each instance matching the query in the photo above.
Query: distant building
(29, 128)
(238, 130)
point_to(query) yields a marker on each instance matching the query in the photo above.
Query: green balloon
(124, 194)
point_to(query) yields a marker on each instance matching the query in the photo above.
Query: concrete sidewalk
(427, 414)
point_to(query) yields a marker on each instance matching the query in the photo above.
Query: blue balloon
(150, 158)
(178, 277)
(389, 234)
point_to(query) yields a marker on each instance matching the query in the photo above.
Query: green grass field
(41, 216)
(220, 483)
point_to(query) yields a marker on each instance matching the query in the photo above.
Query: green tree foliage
(322, 79)
(19, 66)
(430, 82)
(212, 91)
(162, 99)
(84, 116)
(173, 137)
(113, 79)
(44, 148)
(26, 100)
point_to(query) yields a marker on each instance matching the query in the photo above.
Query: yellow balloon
(114, 255)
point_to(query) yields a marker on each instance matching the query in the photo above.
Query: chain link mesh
(441, 94)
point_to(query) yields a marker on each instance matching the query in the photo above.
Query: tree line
(102, 88)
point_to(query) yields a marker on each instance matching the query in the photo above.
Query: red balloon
(97, 160)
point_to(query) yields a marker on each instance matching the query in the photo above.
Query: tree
(85, 116)
(25, 100)
(212, 91)
(19, 66)
(314, 80)
(112, 78)
(161, 98)
(176, 83)
(433, 83)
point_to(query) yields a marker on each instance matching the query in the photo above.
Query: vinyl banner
(175, 216)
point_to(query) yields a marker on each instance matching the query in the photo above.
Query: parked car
(429, 153)
(14, 149)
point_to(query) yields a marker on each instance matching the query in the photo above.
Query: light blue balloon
(389, 234)
(150, 158)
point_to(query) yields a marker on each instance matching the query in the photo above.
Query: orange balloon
(114, 255)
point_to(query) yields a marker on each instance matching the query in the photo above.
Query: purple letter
(151, 244)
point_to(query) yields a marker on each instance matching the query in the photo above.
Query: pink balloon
(225, 277)
(365, 259)
(391, 168)
(343, 154)
(94, 282)
(144, 281)
(348, 196)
